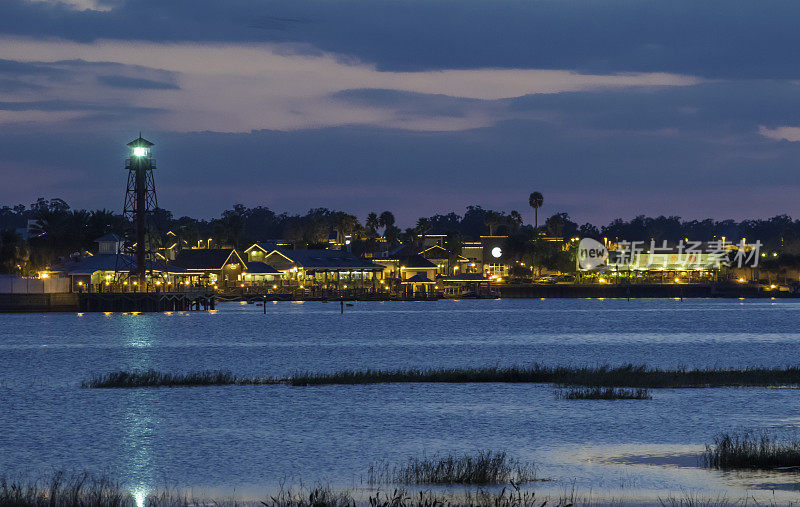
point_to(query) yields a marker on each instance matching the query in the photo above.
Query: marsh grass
(481, 468)
(507, 497)
(630, 376)
(749, 450)
(319, 496)
(64, 490)
(151, 378)
(694, 500)
(84, 490)
(603, 393)
(602, 376)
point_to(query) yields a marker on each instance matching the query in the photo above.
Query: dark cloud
(18, 76)
(715, 38)
(16, 68)
(31, 76)
(713, 106)
(410, 103)
(136, 83)
(68, 105)
(16, 85)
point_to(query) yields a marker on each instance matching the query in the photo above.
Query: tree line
(59, 230)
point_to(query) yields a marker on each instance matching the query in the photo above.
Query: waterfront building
(101, 271)
(446, 262)
(404, 266)
(220, 268)
(418, 286)
(464, 285)
(259, 274)
(495, 259)
(665, 263)
(324, 269)
(473, 251)
(257, 251)
(434, 269)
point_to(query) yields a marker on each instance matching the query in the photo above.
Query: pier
(109, 302)
(147, 301)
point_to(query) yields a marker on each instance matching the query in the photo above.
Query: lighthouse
(140, 202)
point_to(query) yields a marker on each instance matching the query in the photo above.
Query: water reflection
(138, 332)
(139, 495)
(139, 424)
(139, 431)
(247, 436)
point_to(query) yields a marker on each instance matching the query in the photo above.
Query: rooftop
(310, 259)
(140, 142)
(415, 261)
(261, 268)
(418, 278)
(206, 258)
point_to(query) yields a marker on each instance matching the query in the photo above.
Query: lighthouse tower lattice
(140, 202)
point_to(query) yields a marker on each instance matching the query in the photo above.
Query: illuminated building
(325, 269)
(222, 267)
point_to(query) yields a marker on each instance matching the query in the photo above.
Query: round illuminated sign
(497, 252)
(591, 254)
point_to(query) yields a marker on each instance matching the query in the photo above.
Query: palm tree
(386, 220)
(392, 235)
(372, 224)
(536, 200)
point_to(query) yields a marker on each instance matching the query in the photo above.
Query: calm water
(216, 439)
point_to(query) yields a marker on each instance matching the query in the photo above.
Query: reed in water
(481, 468)
(630, 376)
(151, 378)
(600, 376)
(604, 393)
(751, 450)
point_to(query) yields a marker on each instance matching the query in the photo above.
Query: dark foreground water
(217, 439)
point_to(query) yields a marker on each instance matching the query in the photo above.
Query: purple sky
(610, 109)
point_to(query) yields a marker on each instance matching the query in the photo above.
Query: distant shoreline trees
(59, 231)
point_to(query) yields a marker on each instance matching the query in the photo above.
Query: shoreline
(74, 302)
(102, 491)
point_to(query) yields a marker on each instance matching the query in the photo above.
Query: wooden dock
(108, 302)
(147, 301)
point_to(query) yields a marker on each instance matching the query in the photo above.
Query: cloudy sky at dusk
(608, 107)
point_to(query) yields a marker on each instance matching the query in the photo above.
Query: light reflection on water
(140, 495)
(254, 437)
(137, 439)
